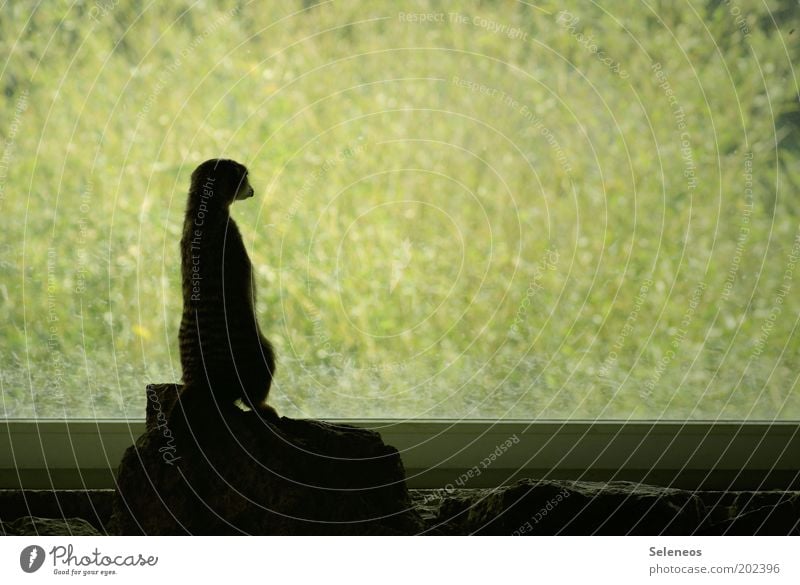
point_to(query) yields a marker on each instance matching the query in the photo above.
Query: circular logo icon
(31, 558)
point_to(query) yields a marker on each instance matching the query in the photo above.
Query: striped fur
(224, 355)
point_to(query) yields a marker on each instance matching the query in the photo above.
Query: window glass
(505, 210)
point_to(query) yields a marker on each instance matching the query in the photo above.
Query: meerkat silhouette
(224, 355)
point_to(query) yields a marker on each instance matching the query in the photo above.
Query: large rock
(243, 475)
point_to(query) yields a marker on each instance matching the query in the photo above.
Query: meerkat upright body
(224, 355)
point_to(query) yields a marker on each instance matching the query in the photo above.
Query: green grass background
(450, 259)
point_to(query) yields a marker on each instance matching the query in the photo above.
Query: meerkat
(224, 355)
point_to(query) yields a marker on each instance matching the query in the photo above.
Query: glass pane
(510, 211)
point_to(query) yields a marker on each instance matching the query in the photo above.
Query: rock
(578, 508)
(33, 526)
(615, 508)
(769, 513)
(91, 505)
(239, 474)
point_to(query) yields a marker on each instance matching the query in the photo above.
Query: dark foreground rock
(33, 526)
(93, 506)
(242, 475)
(532, 507)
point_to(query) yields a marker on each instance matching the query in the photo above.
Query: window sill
(731, 455)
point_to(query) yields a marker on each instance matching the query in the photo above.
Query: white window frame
(729, 455)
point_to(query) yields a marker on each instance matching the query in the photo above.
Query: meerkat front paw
(268, 413)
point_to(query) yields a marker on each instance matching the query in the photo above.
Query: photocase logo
(31, 558)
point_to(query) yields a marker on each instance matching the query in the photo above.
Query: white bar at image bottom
(348, 560)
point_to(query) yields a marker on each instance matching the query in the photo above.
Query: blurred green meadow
(495, 211)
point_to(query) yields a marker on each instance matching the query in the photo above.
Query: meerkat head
(220, 181)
